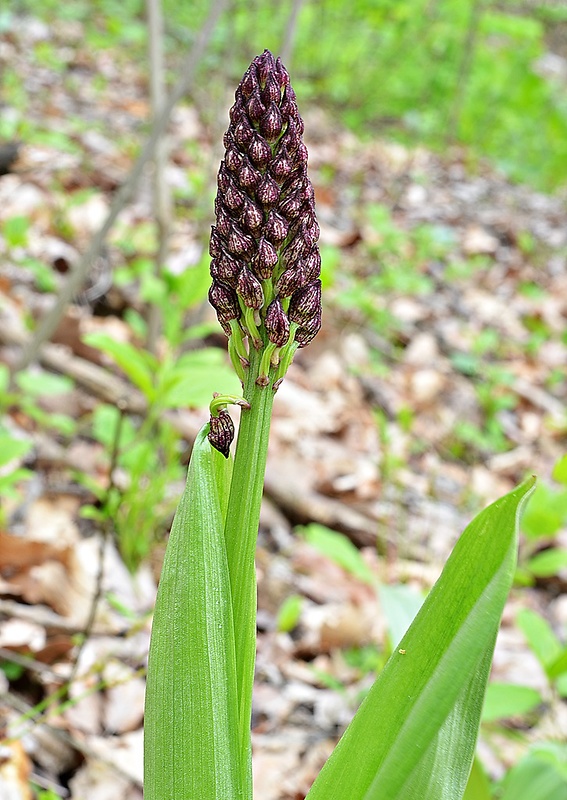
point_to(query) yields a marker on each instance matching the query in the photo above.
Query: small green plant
(415, 733)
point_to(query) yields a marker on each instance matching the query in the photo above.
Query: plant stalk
(241, 530)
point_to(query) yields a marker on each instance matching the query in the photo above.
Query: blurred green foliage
(440, 72)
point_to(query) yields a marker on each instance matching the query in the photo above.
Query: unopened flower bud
(265, 259)
(309, 331)
(271, 123)
(277, 323)
(250, 289)
(305, 303)
(248, 177)
(252, 217)
(226, 268)
(265, 66)
(239, 243)
(224, 301)
(259, 151)
(268, 192)
(276, 228)
(221, 432)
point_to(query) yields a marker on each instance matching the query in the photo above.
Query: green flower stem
(241, 530)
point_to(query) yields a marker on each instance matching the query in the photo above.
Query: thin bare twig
(161, 193)
(106, 529)
(289, 33)
(79, 272)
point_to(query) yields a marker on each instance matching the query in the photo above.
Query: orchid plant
(414, 735)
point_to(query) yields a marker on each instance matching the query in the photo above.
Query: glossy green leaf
(508, 700)
(414, 735)
(191, 716)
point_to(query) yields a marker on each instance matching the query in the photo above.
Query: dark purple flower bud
(239, 243)
(292, 136)
(248, 177)
(259, 151)
(233, 159)
(310, 232)
(309, 331)
(224, 301)
(290, 281)
(265, 259)
(271, 123)
(312, 265)
(243, 132)
(224, 221)
(233, 197)
(297, 249)
(265, 66)
(272, 90)
(301, 154)
(216, 244)
(277, 323)
(221, 432)
(283, 74)
(226, 268)
(252, 216)
(256, 109)
(281, 167)
(223, 178)
(236, 111)
(250, 289)
(249, 83)
(305, 303)
(276, 228)
(291, 206)
(268, 192)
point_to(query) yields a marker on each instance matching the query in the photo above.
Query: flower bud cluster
(265, 259)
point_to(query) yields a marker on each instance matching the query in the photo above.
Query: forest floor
(436, 385)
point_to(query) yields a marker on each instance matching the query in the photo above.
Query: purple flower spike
(264, 242)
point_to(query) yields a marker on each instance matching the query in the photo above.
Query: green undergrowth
(453, 72)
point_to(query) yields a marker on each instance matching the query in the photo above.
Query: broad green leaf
(194, 378)
(11, 448)
(138, 365)
(414, 735)
(541, 775)
(540, 636)
(559, 473)
(548, 562)
(400, 604)
(43, 384)
(546, 513)
(289, 613)
(339, 549)
(558, 666)
(508, 700)
(191, 717)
